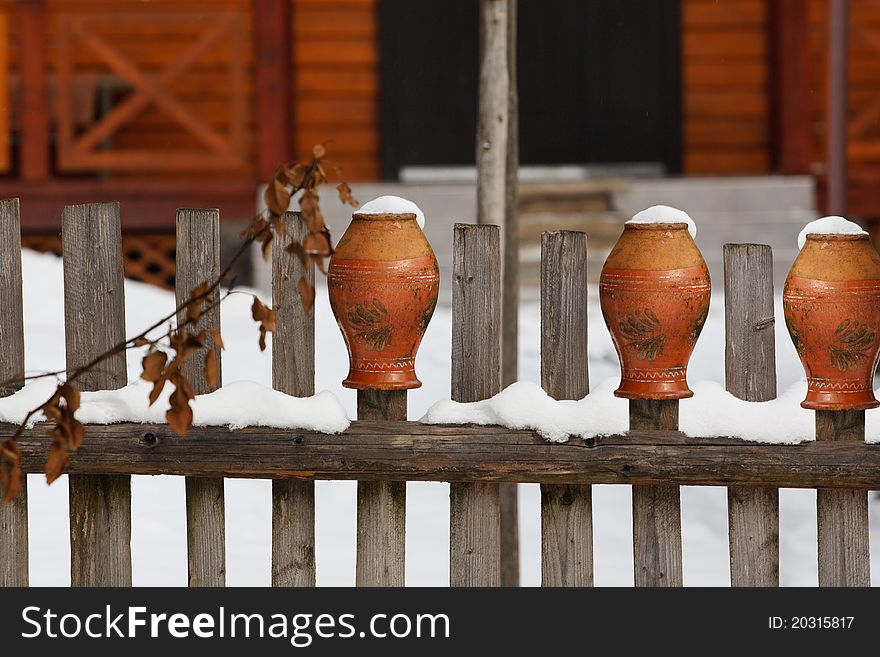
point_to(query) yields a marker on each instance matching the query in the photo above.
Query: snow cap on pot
(832, 310)
(654, 292)
(383, 281)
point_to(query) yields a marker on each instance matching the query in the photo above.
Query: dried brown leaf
(319, 151)
(218, 339)
(10, 470)
(179, 415)
(345, 195)
(277, 197)
(56, 461)
(158, 386)
(212, 370)
(267, 248)
(153, 364)
(306, 293)
(295, 175)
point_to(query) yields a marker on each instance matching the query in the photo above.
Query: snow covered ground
(159, 540)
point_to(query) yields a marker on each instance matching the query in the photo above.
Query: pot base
(653, 390)
(360, 380)
(826, 400)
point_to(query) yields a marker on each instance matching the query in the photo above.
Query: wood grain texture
(656, 508)
(381, 505)
(11, 313)
(413, 451)
(844, 557)
(94, 321)
(293, 373)
(13, 516)
(566, 510)
(475, 508)
(750, 367)
(198, 262)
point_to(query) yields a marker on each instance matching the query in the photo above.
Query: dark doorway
(599, 82)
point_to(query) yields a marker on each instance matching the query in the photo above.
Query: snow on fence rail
(382, 450)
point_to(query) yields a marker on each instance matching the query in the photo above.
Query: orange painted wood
(4, 95)
(274, 79)
(34, 123)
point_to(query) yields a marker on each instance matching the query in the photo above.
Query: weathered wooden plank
(94, 321)
(656, 508)
(11, 313)
(474, 511)
(381, 505)
(844, 556)
(198, 261)
(418, 452)
(13, 516)
(750, 367)
(508, 493)
(566, 510)
(293, 372)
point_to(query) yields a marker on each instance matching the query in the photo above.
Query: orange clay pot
(383, 281)
(654, 291)
(832, 310)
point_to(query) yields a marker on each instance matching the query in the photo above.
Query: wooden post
(94, 321)
(497, 163)
(750, 367)
(13, 516)
(293, 373)
(474, 508)
(198, 261)
(838, 104)
(656, 509)
(273, 57)
(381, 505)
(34, 115)
(566, 510)
(844, 556)
(789, 54)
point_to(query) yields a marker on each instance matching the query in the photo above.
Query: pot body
(654, 291)
(383, 281)
(832, 311)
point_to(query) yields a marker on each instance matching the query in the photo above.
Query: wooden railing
(382, 450)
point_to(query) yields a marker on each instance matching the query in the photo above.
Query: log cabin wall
(729, 94)
(725, 87)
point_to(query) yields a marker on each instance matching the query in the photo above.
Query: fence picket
(474, 508)
(293, 373)
(566, 510)
(656, 509)
(844, 556)
(381, 505)
(750, 367)
(94, 321)
(13, 516)
(198, 261)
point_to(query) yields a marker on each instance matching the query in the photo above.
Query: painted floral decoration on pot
(383, 281)
(654, 291)
(832, 311)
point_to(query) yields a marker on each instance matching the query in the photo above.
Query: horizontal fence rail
(458, 453)
(382, 451)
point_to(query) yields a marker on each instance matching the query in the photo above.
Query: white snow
(393, 205)
(235, 405)
(663, 214)
(832, 225)
(712, 411)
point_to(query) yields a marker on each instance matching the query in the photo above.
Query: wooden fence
(382, 451)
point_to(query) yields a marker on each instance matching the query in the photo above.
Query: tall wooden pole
(838, 73)
(497, 164)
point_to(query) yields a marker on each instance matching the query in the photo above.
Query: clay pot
(832, 310)
(383, 281)
(654, 291)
